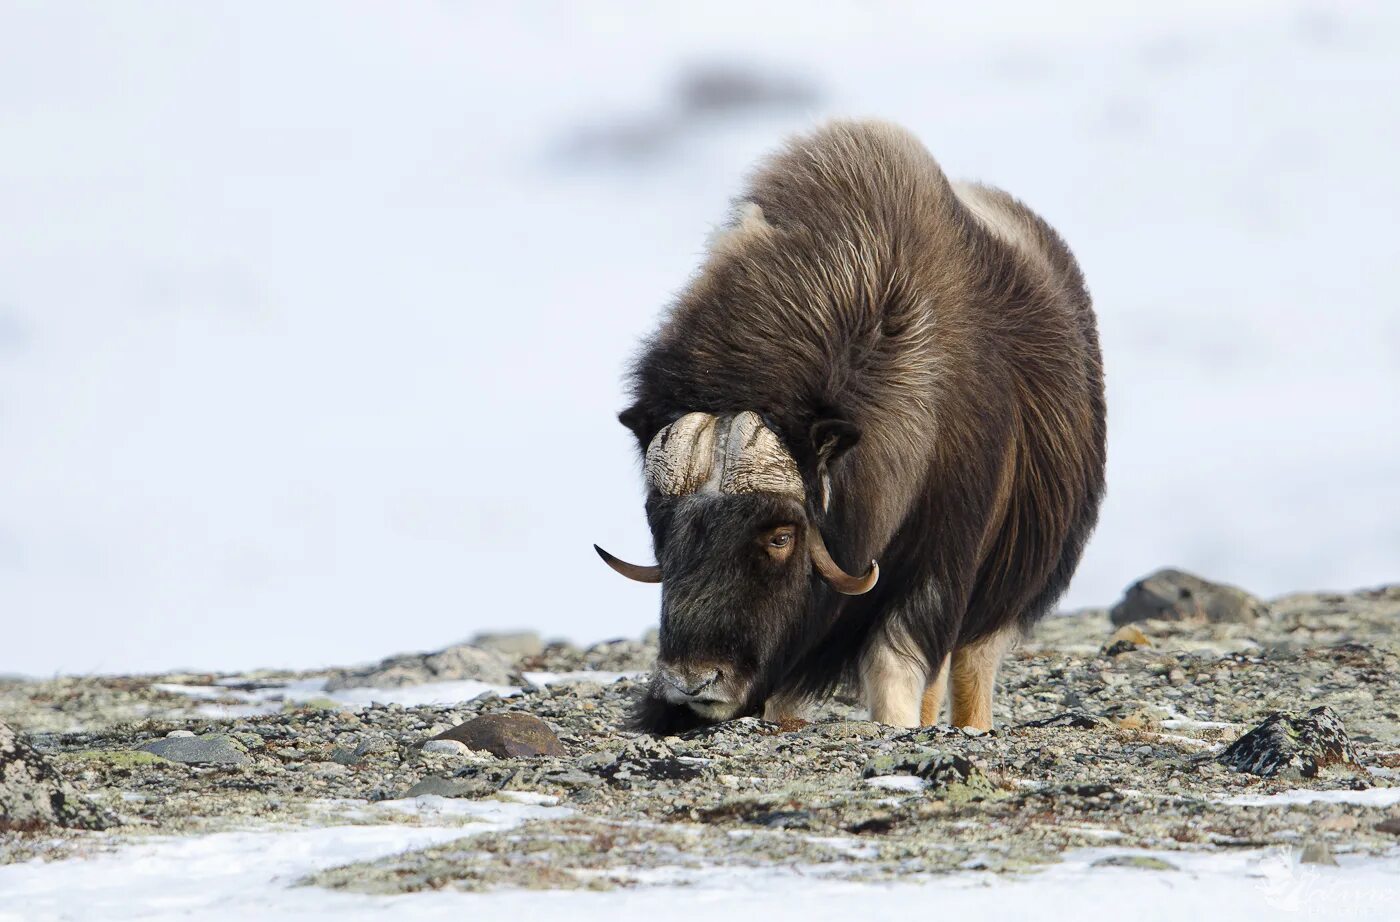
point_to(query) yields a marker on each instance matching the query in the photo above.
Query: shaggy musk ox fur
(926, 356)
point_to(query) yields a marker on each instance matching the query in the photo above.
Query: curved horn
(681, 455)
(837, 578)
(630, 570)
(755, 461)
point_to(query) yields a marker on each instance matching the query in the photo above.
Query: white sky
(313, 318)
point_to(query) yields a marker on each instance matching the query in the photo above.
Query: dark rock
(1071, 720)
(1390, 826)
(210, 749)
(664, 769)
(507, 734)
(1172, 595)
(33, 796)
(784, 819)
(1291, 747)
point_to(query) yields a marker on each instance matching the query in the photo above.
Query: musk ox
(872, 363)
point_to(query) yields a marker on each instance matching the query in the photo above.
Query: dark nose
(689, 682)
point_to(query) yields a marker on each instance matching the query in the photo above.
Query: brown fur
(856, 284)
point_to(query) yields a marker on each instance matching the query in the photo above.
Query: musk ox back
(872, 365)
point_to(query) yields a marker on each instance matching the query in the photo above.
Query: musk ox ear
(832, 438)
(635, 419)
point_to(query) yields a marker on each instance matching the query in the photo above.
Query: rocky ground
(1163, 724)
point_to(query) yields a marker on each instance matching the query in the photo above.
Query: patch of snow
(527, 797)
(271, 697)
(898, 783)
(236, 875)
(1373, 797)
(1187, 723)
(600, 676)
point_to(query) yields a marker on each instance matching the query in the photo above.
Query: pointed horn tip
(632, 571)
(868, 581)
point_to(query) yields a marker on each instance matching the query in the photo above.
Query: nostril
(702, 682)
(690, 683)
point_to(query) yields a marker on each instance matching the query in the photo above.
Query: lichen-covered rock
(1292, 747)
(942, 770)
(454, 663)
(509, 735)
(1173, 595)
(210, 749)
(33, 796)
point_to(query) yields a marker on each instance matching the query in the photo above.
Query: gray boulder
(209, 749)
(1174, 595)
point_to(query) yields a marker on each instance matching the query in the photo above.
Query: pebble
(446, 747)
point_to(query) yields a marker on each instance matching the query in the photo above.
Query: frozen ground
(300, 303)
(1108, 787)
(238, 876)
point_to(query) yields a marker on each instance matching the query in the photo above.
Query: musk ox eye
(778, 542)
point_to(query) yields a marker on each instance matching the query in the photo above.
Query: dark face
(737, 588)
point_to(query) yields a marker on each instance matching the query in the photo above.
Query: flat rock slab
(1174, 595)
(1291, 746)
(508, 735)
(34, 796)
(210, 749)
(451, 664)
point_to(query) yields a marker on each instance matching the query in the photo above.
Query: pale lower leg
(893, 682)
(931, 708)
(974, 679)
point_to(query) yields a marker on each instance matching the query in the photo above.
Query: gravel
(1092, 745)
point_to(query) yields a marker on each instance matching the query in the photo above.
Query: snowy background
(299, 302)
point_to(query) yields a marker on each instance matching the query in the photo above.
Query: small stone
(1126, 638)
(507, 734)
(439, 786)
(179, 734)
(1390, 826)
(446, 747)
(1317, 853)
(210, 749)
(1138, 862)
(326, 769)
(1173, 595)
(1291, 747)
